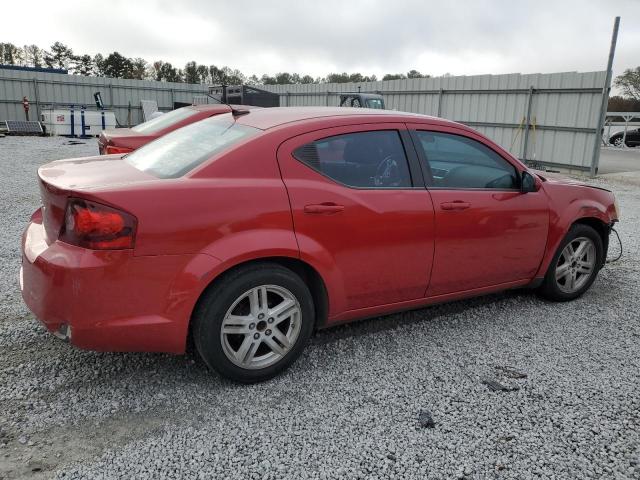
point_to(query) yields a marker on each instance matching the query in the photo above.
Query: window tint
(374, 103)
(365, 159)
(165, 120)
(460, 162)
(180, 151)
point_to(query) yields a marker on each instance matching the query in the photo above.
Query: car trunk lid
(80, 177)
(115, 137)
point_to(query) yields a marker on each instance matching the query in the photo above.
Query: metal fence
(122, 96)
(544, 119)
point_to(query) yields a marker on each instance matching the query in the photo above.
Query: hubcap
(575, 265)
(261, 326)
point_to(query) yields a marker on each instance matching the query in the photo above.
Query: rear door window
(374, 159)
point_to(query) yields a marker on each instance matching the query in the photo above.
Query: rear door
(361, 213)
(487, 231)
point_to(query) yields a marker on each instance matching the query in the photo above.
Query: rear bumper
(106, 300)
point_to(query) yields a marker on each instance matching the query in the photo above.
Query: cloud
(318, 37)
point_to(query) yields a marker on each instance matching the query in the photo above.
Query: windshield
(165, 120)
(178, 152)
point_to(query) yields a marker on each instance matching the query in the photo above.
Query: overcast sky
(317, 37)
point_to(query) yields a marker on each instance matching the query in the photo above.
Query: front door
(361, 215)
(487, 232)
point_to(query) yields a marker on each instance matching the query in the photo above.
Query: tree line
(116, 65)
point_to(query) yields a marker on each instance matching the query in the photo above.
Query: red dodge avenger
(248, 230)
(125, 140)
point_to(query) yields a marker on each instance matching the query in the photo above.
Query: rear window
(165, 120)
(179, 152)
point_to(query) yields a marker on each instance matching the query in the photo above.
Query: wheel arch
(308, 273)
(599, 226)
(592, 214)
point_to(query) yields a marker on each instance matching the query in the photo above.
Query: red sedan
(125, 140)
(249, 230)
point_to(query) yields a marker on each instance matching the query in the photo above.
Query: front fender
(563, 215)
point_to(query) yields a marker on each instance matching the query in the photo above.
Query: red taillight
(113, 149)
(99, 227)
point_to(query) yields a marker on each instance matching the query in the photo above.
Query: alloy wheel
(261, 327)
(576, 264)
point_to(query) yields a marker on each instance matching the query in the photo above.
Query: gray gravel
(353, 405)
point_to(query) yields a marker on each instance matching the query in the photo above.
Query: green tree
(191, 74)
(226, 76)
(156, 69)
(60, 56)
(356, 78)
(345, 77)
(267, 80)
(307, 79)
(629, 83)
(253, 80)
(83, 65)
(33, 55)
(139, 68)
(337, 77)
(394, 76)
(167, 72)
(286, 78)
(203, 73)
(10, 54)
(416, 74)
(233, 76)
(117, 66)
(98, 64)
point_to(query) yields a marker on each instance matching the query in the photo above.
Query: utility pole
(595, 160)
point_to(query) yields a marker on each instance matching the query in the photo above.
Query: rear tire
(574, 266)
(253, 322)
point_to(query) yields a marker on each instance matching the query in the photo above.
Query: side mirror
(528, 183)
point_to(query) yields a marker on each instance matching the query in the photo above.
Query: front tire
(254, 322)
(575, 265)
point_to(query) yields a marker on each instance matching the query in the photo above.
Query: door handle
(455, 205)
(323, 208)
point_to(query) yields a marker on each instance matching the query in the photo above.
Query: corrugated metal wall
(548, 119)
(562, 109)
(44, 89)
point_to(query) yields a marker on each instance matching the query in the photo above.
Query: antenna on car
(236, 112)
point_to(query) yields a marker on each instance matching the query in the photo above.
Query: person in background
(25, 105)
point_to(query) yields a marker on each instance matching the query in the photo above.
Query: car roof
(266, 118)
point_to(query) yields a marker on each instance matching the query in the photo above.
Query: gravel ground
(354, 405)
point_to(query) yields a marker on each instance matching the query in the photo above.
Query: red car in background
(249, 231)
(125, 140)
